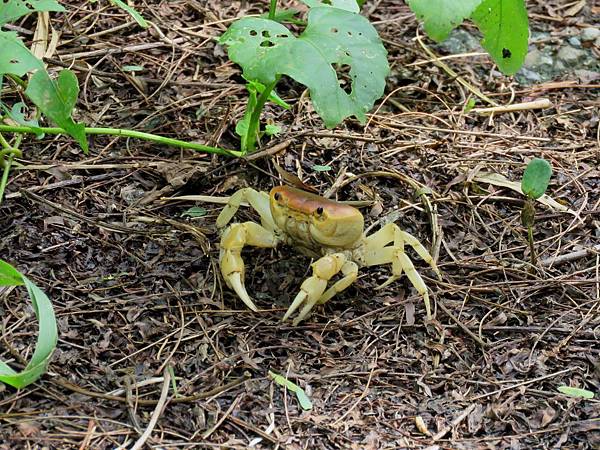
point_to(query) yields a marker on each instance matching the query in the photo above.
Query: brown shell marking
(307, 203)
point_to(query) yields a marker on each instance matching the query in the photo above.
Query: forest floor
(135, 283)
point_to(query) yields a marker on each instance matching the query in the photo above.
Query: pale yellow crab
(320, 228)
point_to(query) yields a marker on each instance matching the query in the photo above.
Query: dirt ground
(134, 279)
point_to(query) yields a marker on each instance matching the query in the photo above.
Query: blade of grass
(47, 330)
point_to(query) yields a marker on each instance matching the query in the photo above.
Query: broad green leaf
(15, 58)
(348, 5)
(303, 399)
(132, 12)
(536, 178)
(505, 30)
(334, 39)
(11, 10)
(442, 16)
(56, 99)
(47, 333)
(576, 392)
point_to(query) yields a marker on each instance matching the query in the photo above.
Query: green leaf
(194, 211)
(347, 5)
(11, 10)
(536, 178)
(56, 99)
(303, 399)
(15, 58)
(319, 168)
(442, 16)
(132, 68)
(47, 333)
(576, 392)
(9, 276)
(132, 12)
(469, 105)
(334, 39)
(272, 130)
(505, 30)
(17, 114)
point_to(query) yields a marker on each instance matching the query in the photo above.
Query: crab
(330, 231)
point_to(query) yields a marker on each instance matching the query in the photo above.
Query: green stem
(272, 9)
(127, 133)
(6, 163)
(254, 125)
(531, 245)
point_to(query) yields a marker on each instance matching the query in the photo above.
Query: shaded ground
(135, 286)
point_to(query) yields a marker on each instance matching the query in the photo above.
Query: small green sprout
(533, 185)
(303, 399)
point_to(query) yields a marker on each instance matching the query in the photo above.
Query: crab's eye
(277, 196)
(320, 210)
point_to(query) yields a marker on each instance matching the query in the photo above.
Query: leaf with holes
(334, 42)
(442, 16)
(505, 30)
(348, 5)
(11, 10)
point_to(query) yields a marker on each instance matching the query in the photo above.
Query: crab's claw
(234, 238)
(312, 292)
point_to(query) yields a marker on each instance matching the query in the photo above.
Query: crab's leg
(313, 291)
(376, 253)
(258, 200)
(392, 233)
(234, 238)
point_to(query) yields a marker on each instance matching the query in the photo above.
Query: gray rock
(570, 55)
(590, 34)
(574, 41)
(536, 59)
(460, 41)
(529, 76)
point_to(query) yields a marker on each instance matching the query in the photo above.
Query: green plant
(303, 399)
(503, 23)
(533, 185)
(47, 335)
(54, 98)
(336, 39)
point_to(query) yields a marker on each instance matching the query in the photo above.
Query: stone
(536, 59)
(590, 34)
(570, 55)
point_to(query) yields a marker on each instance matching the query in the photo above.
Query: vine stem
(253, 126)
(127, 133)
(272, 9)
(7, 163)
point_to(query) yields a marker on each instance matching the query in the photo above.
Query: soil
(134, 277)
